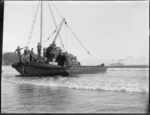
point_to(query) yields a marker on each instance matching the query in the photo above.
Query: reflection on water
(42, 99)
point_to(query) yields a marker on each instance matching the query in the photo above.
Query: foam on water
(108, 81)
(84, 83)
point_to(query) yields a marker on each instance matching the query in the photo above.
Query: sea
(118, 90)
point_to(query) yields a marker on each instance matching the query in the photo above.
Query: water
(119, 90)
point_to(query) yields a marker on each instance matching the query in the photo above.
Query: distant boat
(42, 68)
(119, 63)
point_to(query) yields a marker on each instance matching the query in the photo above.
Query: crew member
(39, 49)
(59, 57)
(49, 54)
(54, 51)
(18, 50)
(32, 55)
(63, 59)
(26, 54)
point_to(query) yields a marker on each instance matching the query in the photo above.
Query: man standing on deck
(48, 53)
(32, 55)
(39, 49)
(54, 52)
(63, 59)
(58, 58)
(18, 50)
(26, 54)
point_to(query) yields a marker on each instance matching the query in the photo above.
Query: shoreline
(123, 66)
(129, 66)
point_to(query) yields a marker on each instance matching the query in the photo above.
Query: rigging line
(95, 58)
(32, 27)
(73, 32)
(50, 36)
(55, 25)
(52, 33)
(77, 39)
(66, 38)
(57, 10)
(30, 34)
(82, 44)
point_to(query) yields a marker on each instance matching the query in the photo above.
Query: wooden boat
(42, 68)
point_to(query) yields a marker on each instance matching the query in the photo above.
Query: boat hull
(43, 69)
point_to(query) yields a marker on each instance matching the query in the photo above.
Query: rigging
(81, 43)
(74, 34)
(32, 27)
(58, 27)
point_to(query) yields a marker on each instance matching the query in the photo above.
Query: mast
(41, 29)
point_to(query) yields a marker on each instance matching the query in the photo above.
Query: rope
(32, 27)
(66, 38)
(95, 58)
(53, 32)
(77, 39)
(57, 10)
(82, 44)
(50, 36)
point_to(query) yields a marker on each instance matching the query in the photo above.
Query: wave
(87, 83)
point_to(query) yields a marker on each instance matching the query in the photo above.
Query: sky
(109, 30)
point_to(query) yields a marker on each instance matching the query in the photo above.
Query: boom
(58, 31)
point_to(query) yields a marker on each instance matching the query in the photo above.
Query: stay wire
(82, 44)
(57, 10)
(66, 38)
(32, 27)
(53, 33)
(50, 36)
